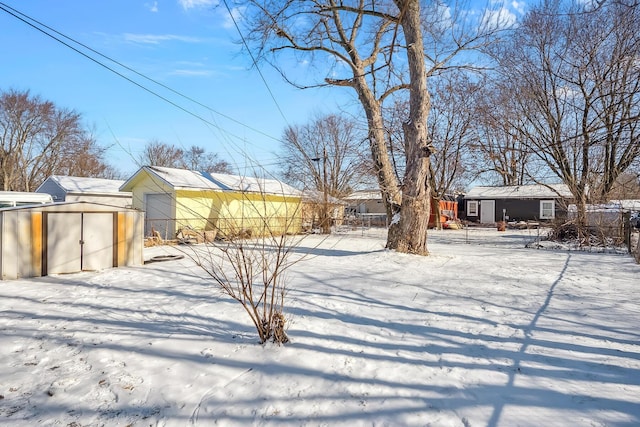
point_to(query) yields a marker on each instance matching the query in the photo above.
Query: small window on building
(472, 208)
(547, 209)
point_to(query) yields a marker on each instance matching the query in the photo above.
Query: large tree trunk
(387, 181)
(416, 187)
(408, 208)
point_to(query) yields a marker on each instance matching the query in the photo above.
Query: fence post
(626, 229)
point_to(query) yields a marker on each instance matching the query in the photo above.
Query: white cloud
(191, 73)
(498, 18)
(158, 38)
(191, 4)
(236, 13)
(153, 7)
(519, 6)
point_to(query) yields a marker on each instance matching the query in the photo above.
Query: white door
(64, 236)
(97, 237)
(158, 208)
(79, 241)
(487, 211)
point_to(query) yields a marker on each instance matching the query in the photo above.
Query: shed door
(64, 233)
(97, 235)
(487, 211)
(158, 208)
(79, 241)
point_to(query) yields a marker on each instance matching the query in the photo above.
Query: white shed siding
(68, 237)
(124, 201)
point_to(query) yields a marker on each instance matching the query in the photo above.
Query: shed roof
(534, 191)
(364, 195)
(184, 179)
(75, 206)
(84, 185)
(629, 204)
(315, 196)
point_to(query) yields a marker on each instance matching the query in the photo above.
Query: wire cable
(255, 63)
(39, 27)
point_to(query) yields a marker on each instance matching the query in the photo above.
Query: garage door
(79, 241)
(158, 208)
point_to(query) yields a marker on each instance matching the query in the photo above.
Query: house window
(547, 209)
(472, 208)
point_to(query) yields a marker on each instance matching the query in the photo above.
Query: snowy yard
(483, 332)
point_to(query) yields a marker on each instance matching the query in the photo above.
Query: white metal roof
(365, 195)
(183, 178)
(188, 179)
(253, 185)
(24, 196)
(628, 204)
(75, 184)
(534, 191)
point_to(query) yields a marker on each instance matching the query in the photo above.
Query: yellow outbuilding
(212, 203)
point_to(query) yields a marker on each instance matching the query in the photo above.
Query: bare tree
(501, 154)
(574, 73)
(38, 139)
(453, 134)
(197, 158)
(157, 153)
(252, 272)
(304, 147)
(249, 262)
(84, 157)
(627, 186)
(378, 50)
(326, 156)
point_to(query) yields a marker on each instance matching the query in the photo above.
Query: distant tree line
(39, 139)
(158, 153)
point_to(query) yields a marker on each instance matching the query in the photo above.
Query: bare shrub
(592, 236)
(241, 236)
(248, 262)
(252, 272)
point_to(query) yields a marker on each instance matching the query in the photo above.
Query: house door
(487, 211)
(158, 208)
(79, 241)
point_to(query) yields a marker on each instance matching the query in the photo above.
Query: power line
(41, 28)
(255, 63)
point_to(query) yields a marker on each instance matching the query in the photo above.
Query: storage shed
(313, 206)
(64, 188)
(68, 237)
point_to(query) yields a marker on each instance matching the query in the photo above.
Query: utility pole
(326, 223)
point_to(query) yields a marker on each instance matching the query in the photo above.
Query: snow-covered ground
(484, 332)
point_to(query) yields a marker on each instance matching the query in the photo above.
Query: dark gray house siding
(515, 203)
(519, 210)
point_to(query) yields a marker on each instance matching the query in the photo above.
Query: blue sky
(186, 45)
